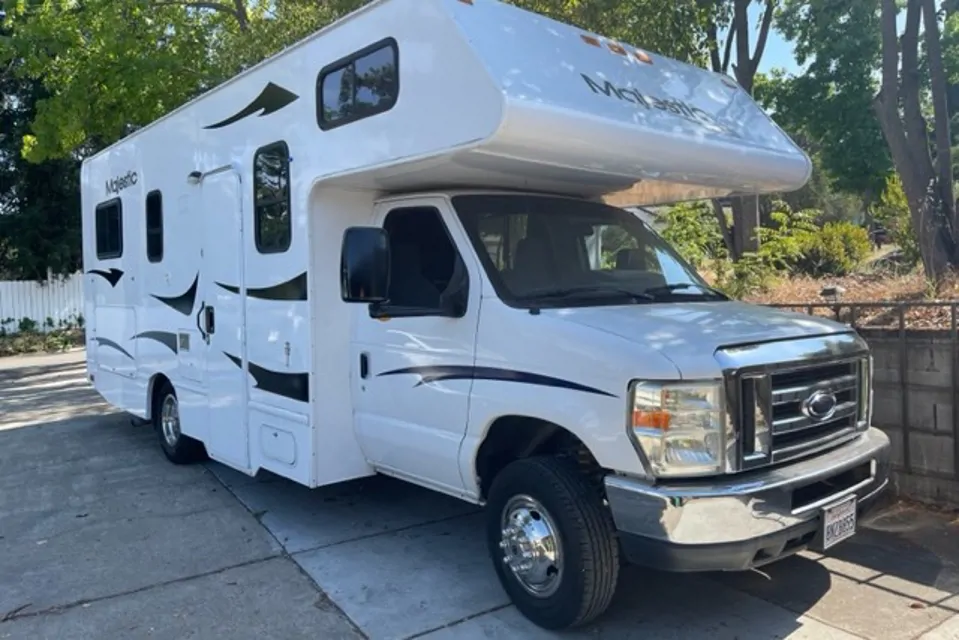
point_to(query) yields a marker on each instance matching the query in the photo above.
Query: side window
(359, 86)
(154, 225)
(423, 259)
(273, 226)
(109, 222)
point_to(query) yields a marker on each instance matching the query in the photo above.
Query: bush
(892, 212)
(691, 228)
(835, 250)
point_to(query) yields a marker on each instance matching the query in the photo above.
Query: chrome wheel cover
(170, 420)
(531, 546)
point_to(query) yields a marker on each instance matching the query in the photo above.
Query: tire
(578, 584)
(178, 448)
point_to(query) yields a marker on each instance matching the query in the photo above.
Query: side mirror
(365, 265)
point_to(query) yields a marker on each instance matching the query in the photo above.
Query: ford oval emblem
(820, 406)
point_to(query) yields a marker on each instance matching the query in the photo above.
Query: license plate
(838, 522)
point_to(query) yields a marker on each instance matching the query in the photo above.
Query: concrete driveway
(100, 537)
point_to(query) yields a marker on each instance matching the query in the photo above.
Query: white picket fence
(59, 300)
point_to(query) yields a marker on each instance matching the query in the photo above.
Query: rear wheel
(552, 542)
(178, 448)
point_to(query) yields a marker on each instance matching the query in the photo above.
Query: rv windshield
(553, 251)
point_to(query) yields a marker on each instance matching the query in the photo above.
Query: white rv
(385, 250)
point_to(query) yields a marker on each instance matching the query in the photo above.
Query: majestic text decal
(676, 107)
(118, 184)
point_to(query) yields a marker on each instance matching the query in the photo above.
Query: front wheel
(552, 542)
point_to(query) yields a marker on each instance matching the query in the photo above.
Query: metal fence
(930, 332)
(54, 301)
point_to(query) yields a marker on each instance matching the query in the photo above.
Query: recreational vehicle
(386, 250)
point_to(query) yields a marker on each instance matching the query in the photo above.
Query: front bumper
(747, 520)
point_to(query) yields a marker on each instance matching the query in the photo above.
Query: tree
(926, 180)
(831, 101)
(39, 203)
(734, 16)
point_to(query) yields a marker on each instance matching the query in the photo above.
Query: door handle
(210, 321)
(364, 365)
(200, 314)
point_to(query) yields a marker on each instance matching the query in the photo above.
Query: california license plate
(838, 522)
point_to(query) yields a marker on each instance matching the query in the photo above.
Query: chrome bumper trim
(744, 507)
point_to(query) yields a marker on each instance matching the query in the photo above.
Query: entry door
(412, 376)
(221, 318)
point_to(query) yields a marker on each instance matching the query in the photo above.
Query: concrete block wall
(914, 402)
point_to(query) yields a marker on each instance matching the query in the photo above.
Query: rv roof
(495, 96)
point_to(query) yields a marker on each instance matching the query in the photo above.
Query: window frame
(96, 228)
(257, 240)
(343, 63)
(146, 223)
(389, 310)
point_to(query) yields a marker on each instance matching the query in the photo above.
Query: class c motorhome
(385, 250)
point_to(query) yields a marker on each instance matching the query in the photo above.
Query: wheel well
(511, 438)
(157, 382)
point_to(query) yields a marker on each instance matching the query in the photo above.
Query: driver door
(413, 359)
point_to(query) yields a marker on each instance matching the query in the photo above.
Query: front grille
(793, 398)
(776, 422)
(795, 431)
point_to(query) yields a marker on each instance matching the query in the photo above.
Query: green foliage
(750, 274)
(792, 243)
(39, 202)
(835, 250)
(892, 211)
(830, 103)
(26, 338)
(691, 228)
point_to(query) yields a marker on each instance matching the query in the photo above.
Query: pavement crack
(18, 613)
(367, 536)
(286, 554)
(9, 615)
(420, 634)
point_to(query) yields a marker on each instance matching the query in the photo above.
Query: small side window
(154, 225)
(359, 86)
(273, 226)
(109, 223)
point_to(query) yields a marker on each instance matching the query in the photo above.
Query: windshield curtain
(533, 246)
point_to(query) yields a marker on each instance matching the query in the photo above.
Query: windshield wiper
(588, 289)
(680, 286)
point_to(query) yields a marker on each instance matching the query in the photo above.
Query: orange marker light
(642, 56)
(590, 40)
(615, 48)
(651, 420)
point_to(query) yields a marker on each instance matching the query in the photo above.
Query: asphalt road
(100, 537)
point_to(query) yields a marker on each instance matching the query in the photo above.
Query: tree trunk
(746, 224)
(908, 141)
(728, 239)
(940, 103)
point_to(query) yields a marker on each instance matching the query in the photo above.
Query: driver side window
(423, 259)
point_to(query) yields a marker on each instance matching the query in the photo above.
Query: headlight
(680, 427)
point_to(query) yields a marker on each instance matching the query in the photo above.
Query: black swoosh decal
(183, 302)
(294, 289)
(295, 386)
(106, 342)
(271, 99)
(457, 372)
(166, 338)
(112, 276)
